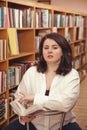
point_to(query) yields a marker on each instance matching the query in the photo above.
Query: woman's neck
(51, 68)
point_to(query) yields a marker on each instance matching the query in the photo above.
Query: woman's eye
(55, 48)
(46, 48)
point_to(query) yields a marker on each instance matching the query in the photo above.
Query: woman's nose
(50, 49)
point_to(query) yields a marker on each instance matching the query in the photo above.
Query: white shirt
(63, 95)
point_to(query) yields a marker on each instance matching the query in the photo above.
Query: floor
(81, 107)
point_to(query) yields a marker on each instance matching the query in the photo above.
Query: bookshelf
(32, 21)
(73, 26)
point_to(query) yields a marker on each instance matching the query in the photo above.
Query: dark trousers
(71, 126)
(17, 126)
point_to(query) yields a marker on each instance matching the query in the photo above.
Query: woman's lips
(50, 56)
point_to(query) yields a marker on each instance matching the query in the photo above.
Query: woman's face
(52, 52)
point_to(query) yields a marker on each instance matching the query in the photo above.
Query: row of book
(76, 34)
(13, 48)
(68, 35)
(3, 17)
(38, 37)
(3, 108)
(80, 33)
(79, 48)
(16, 71)
(16, 17)
(20, 17)
(61, 20)
(24, 17)
(80, 61)
(2, 49)
(11, 98)
(3, 84)
(42, 18)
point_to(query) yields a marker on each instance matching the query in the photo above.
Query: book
(13, 41)
(27, 109)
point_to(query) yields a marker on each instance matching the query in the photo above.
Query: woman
(52, 83)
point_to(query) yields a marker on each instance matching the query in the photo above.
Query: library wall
(71, 5)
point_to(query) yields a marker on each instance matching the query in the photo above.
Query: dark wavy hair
(65, 65)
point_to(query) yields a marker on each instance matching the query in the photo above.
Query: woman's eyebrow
(52, 45)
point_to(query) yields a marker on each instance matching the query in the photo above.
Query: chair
(50, 113)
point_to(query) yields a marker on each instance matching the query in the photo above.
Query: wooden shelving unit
(44, 19)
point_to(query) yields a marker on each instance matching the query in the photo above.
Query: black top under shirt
(47, 92)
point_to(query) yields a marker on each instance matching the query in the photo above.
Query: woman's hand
(27, 119)
(26, 98)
